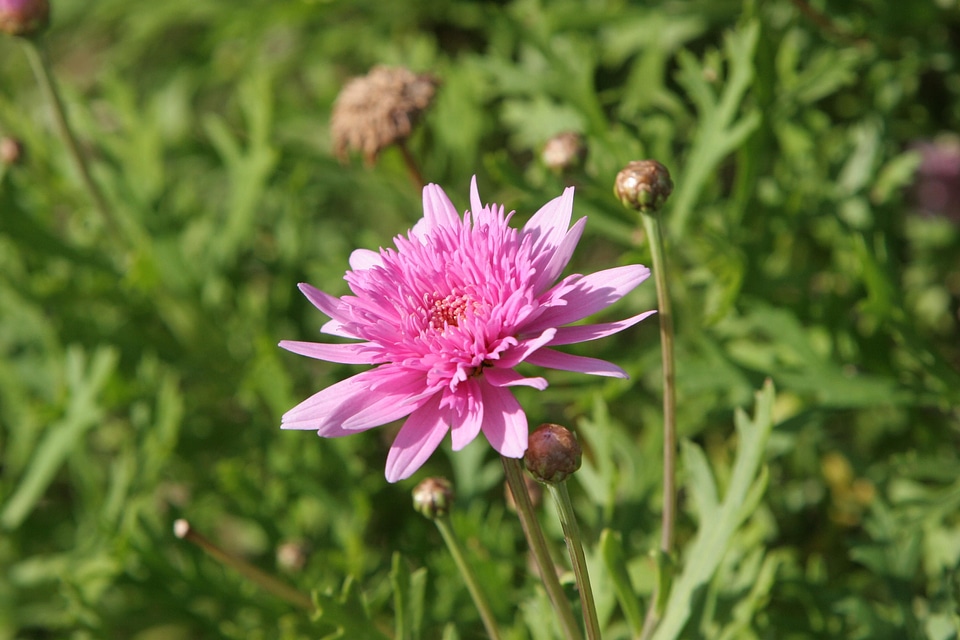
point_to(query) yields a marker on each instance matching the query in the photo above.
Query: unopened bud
(24, 17)
(643, 185)
(553, 453)
(11, 151)
(563, 150)
(433, 497)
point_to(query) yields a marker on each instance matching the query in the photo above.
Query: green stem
(41, 69)
(182, 529)
(571, 533)
(651, 223)
(538, 546)
(456, 550)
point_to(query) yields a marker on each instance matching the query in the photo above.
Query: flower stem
(479, 599)
(571, 533)
(41, 69)
(182, 529)
(531, 529)
(414, 170)
(653, 227)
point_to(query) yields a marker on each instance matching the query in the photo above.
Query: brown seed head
(376, 110)
(24, 17)
(643, 185)
(433, 497)
(553, 453)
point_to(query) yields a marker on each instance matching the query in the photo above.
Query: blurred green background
(140, 379)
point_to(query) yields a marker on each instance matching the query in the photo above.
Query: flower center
(448, 311)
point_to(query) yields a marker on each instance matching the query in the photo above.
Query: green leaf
(408, 594)
(85, 383)
(611, 550)
(719, 130)
(347, 613)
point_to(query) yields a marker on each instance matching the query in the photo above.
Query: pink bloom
(446, 316)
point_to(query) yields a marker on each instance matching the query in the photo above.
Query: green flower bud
(433, 497)
(553, 453)
(643, 185)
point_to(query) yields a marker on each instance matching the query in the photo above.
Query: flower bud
(24, 17)
(11, 151)
(563, 150)
(643, 185)
(553, 453)
(433, 497)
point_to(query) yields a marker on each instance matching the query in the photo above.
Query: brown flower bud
(378, 109)
(292, 556)
(553, 453)
(24, 17)
(433, 497)
(563, 150)
(643, 185)
(11, 151)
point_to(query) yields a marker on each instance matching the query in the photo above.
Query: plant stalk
(538, 546)
(654, 231)
(182, 529)
(571, 533)
(41, 70)
(412, 167)
(479, 599)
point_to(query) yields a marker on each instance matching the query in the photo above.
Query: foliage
(140, 380)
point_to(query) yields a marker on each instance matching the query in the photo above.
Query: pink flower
(446, 316)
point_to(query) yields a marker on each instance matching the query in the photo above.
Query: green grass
(140, 381)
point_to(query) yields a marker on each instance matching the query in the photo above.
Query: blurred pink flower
(446, 316)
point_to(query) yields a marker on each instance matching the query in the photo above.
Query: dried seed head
(376, 110)
(643, 185)
(553, 453)
(24, 17)
(433, 497)
(563, 150)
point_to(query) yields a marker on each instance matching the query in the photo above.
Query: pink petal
(583, 333)
(325, 409)
(438, 211)
(524, 348)
(342, 353)
(466, 426)
(550, 223)
(419, 437)
(499, 377)
(587, 295)
(337, 328)
(475, 205)
(560, 258)
(323, 301)
(581, 364)
(396, 399)
(358, 402)
(504, 423)
(362, 259)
